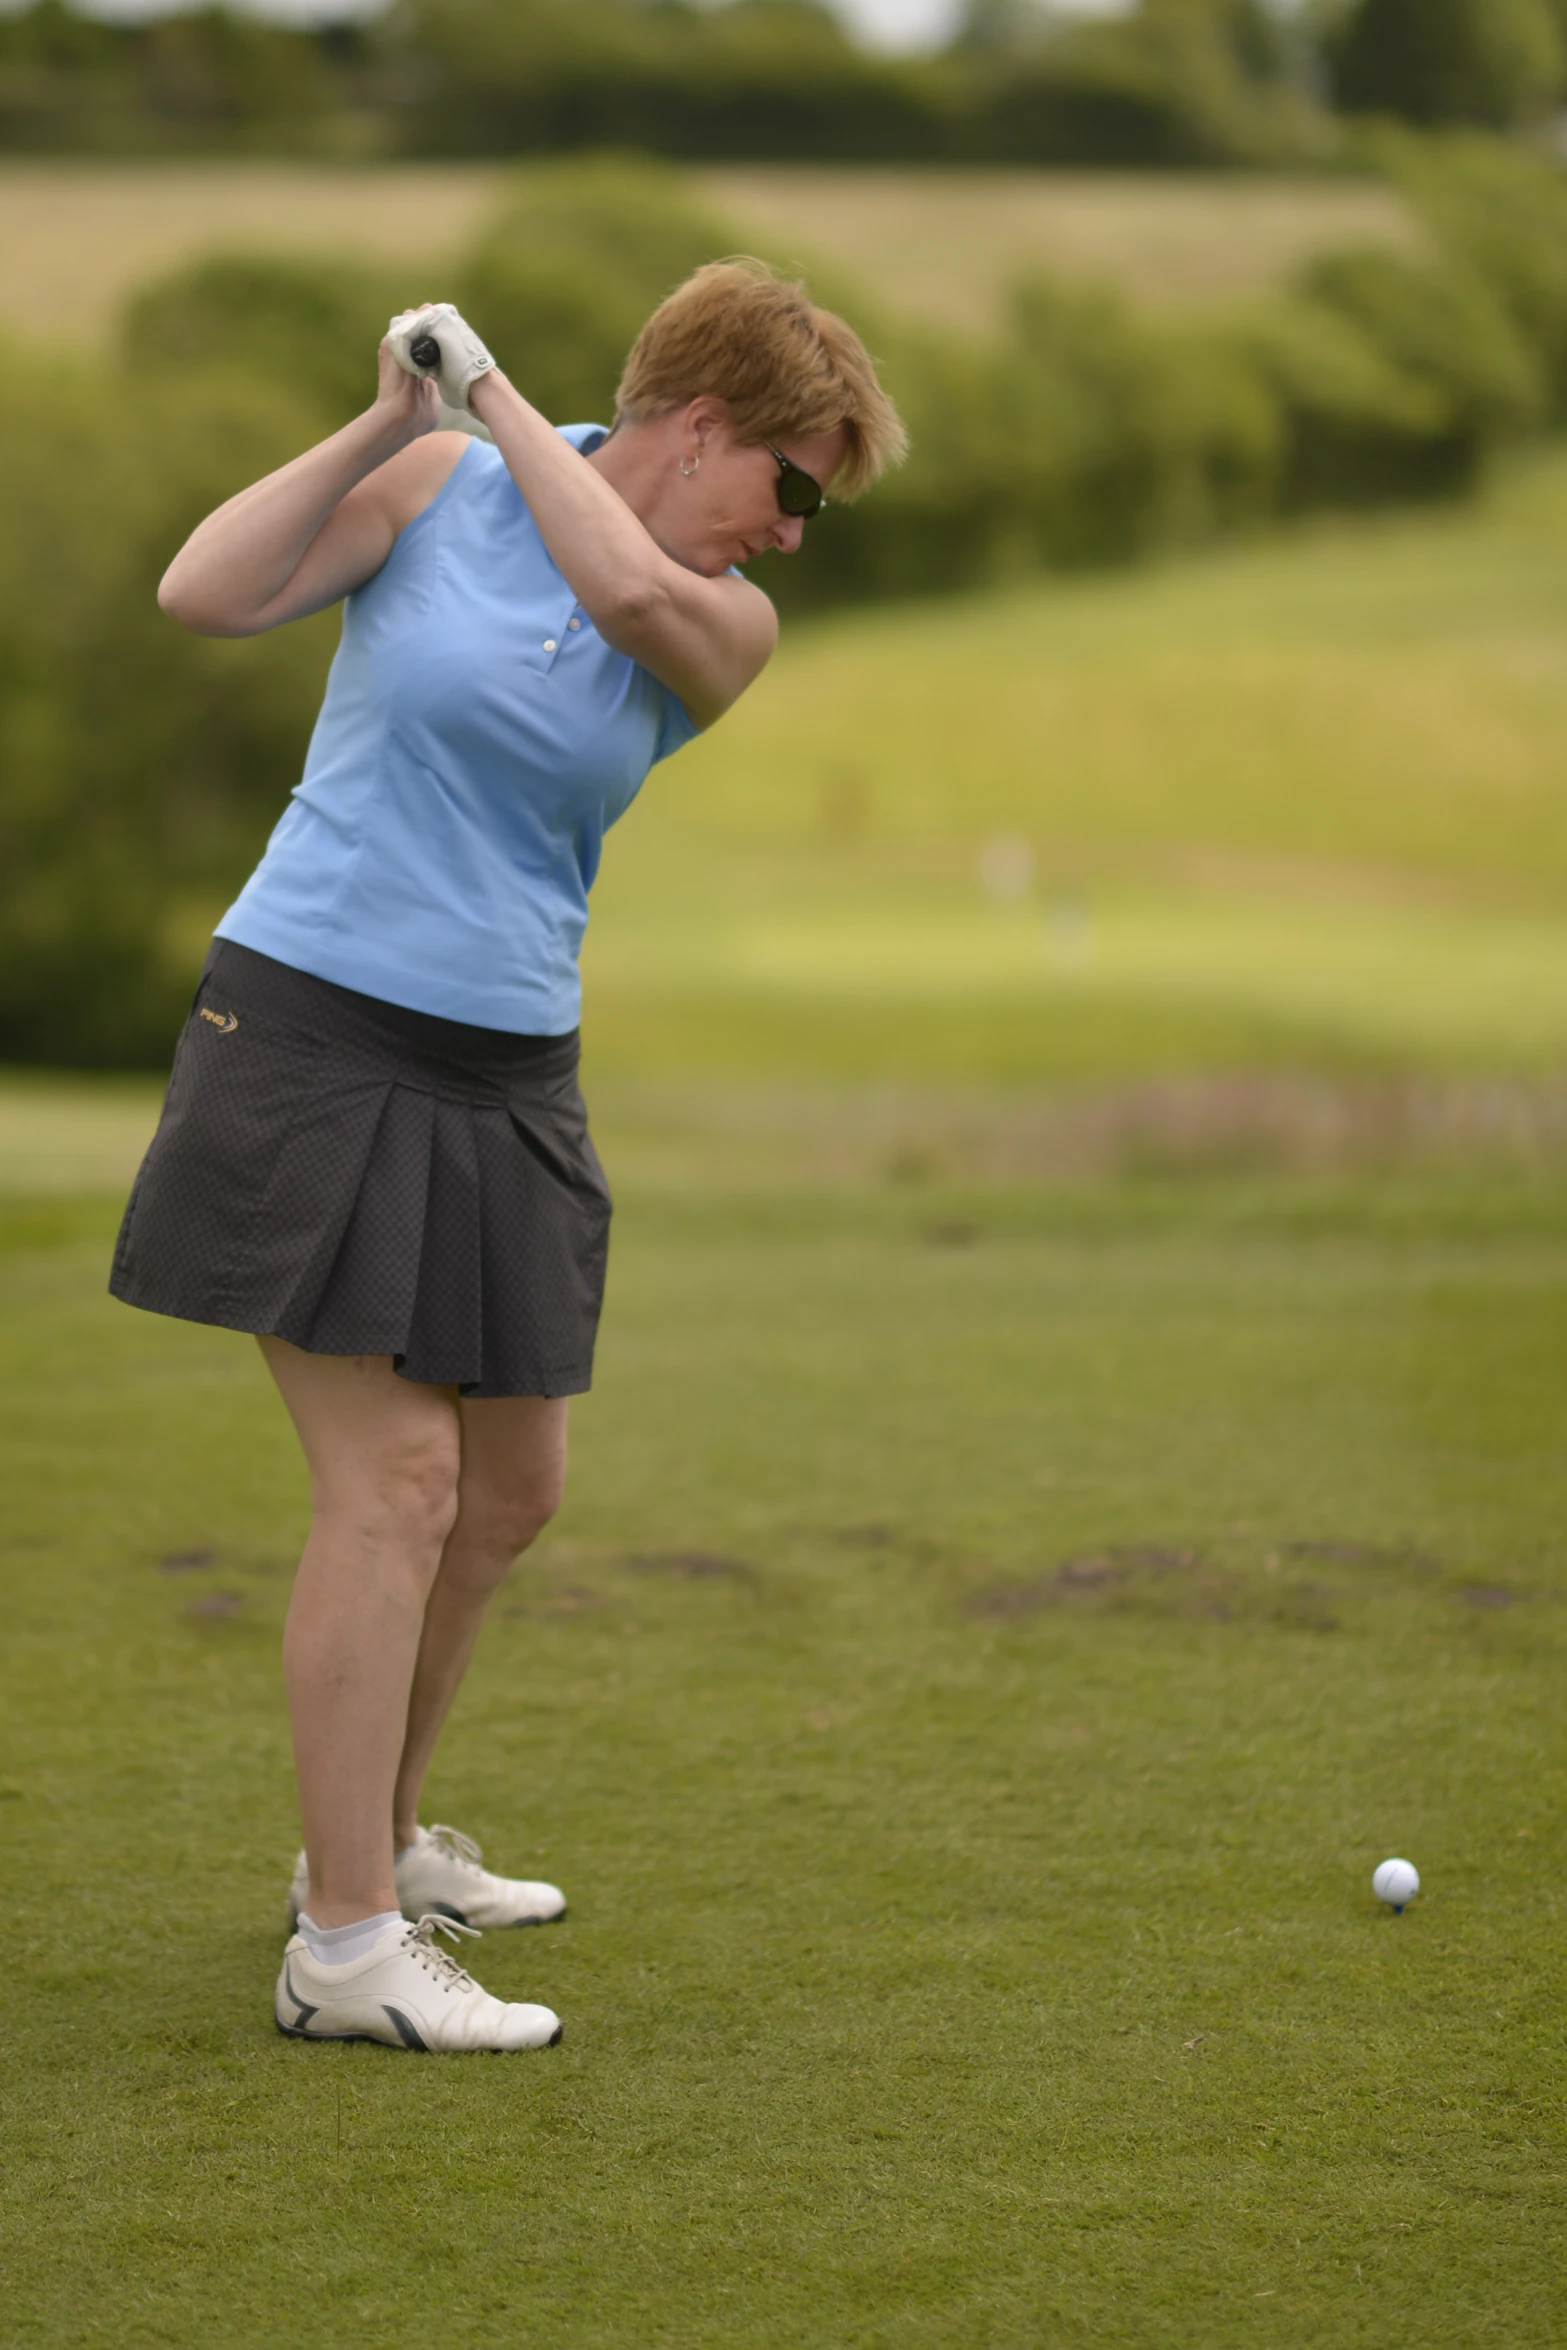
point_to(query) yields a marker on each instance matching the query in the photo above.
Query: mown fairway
(992, 1639)
(76, 238)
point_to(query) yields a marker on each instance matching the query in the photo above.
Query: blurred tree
(187, 80)
(578, 254)
(1444, 330)
(752, 79)
(1181, 81)
(1005, 28)
(139, 767)
(1178, 83)
(1501, 211)
(1436, 61)
(1251, 32)
(215, 71)
(1140, 434)
(1260, 36)
(1355, 429)
(309, 326)
(65, 79)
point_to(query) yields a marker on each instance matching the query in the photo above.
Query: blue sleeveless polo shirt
(477, 739)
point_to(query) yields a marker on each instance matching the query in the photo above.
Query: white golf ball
(1396, 1882)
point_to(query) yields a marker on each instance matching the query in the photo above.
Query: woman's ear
(705, 417)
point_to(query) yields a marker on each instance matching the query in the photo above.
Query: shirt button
(573, 624)
(549, 644)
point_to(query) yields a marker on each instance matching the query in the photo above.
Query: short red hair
(739, 332)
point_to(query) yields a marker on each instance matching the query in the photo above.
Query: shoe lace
(436, 1962)
(455, 1844)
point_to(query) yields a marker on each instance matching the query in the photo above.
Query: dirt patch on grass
(1225, 1586)
(698, 1566)
(1363, 1554)
(564, 1599)
(1159, 1579)
(215, 1607)
(1137, 1568)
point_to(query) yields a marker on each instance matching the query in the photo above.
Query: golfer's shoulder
(407, 483)
(757, 616)
(751, 612)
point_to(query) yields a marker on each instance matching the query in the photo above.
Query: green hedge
(1500, 216)
(138, 764)
(1496, 62)
(143, 767)
(1183, 82)
(1175, 84)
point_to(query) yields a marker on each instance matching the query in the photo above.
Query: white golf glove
(463, 358)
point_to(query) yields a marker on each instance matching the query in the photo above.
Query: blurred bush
(752, 80)
(1172, 84)
(570, 266)
(1175, 84)
(1146, 434)
(1180, 82)
(1354, 428)
(143, 767)
(212, 78)
(1447, 61)
(1495, 211)
(270, 321)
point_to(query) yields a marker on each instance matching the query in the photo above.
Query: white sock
(336, 1945)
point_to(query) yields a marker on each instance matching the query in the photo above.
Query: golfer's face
(740, 517)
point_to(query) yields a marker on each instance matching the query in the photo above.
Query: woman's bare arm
(706, 639)
(320, 526)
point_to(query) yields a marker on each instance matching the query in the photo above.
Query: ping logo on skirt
(227, 1021)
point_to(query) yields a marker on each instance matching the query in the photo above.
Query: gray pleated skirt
(361, 1179)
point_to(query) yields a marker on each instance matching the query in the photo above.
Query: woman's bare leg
(384, 1456)
(513, 1475)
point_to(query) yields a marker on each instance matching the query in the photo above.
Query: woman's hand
(461, 358)
(410, 405)
(316, 529)
(319, 528)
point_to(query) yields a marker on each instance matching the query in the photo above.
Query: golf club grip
(426, 352)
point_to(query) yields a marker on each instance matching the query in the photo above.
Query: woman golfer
(373, 1153)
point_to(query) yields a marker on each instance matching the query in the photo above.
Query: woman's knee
(403, 1494)
(494, 1528)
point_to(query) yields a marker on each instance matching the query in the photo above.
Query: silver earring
(688, 470)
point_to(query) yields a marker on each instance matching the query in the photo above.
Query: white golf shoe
(440, 1871)
(406, 1993)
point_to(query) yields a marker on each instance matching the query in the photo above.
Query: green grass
(995, 1628)
(962, 1952)
(1298, 805)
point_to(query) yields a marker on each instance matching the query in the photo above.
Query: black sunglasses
(798, 493)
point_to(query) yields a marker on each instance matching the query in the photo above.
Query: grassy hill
(1302, 805)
